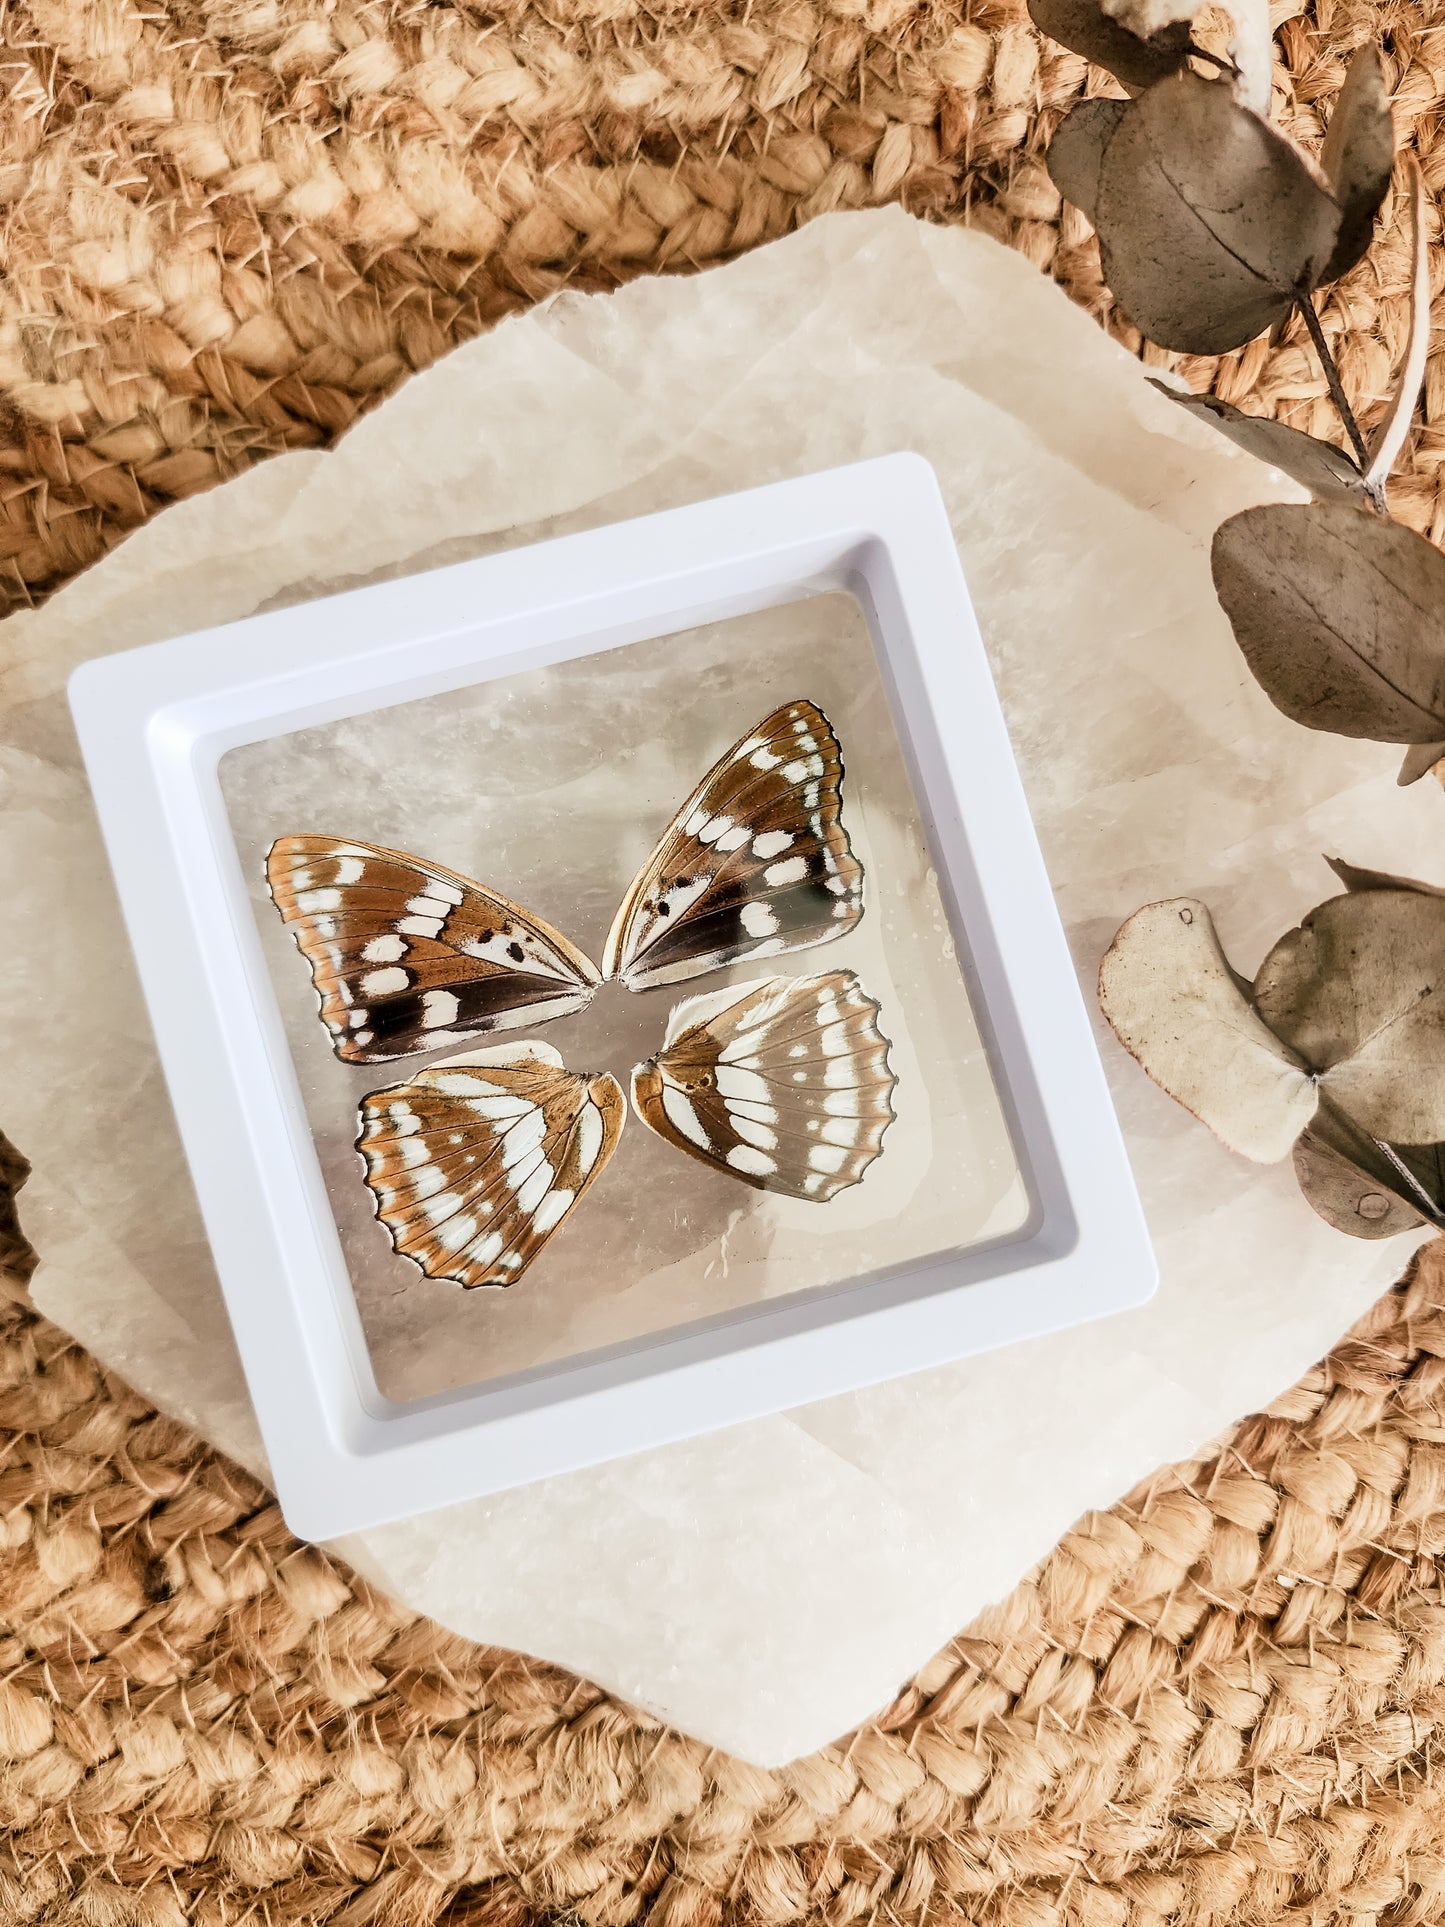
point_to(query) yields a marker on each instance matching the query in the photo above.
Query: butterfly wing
(785, 1085)
(476, 1161)
(755, 863)
(408, 957)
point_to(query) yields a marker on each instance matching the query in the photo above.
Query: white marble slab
(767, 1587)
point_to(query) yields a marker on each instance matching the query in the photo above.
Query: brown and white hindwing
(755, 863)
(408, 957)
(478, 1160)
(784, 1083)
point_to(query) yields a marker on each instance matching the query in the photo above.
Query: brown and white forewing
(408, 957)
(755, 863)
(785, 1085)
(476, 1161)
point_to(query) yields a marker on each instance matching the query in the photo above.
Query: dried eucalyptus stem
(1332, 377)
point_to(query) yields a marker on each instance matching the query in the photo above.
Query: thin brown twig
(1332, 375)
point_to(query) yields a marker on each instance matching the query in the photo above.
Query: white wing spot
(385, 950)
(589, 1137)
(504, 1105)
(695, 822)
(734, 839)
(380, 983)
(794, 772)
(764, 759)
(539, 1183)
(771, 843)
(743, 1157)
(487, 1250)
(683, 1117)
(524, 1137)
(551, 1211)
(458, 1232)
(350, 870)
(758, 920)
(791, 870)
(439, 1008)
(734, 1081)
(421, 926)
(310, 901)
(715, 827)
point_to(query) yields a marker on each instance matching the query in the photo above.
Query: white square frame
(154, 723)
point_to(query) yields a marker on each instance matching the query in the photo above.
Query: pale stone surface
(766, 1587)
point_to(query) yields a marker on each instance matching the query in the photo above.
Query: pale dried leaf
(1146, 17)
(1085, 28)
(1341, 617)
(1357, 156)
(1389, 437)
(1077, 150)
(1326, 471)
(1209, 221)
(1168, 990)
(1354, 878)
(1352, 1183)
(1357, 993)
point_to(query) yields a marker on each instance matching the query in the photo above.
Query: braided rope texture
(226, 227)
(1217, 1702)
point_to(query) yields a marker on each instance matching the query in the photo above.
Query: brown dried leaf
(1357, 993)
(1420, 759)
(1341, 617)
(1357, 156)
(1085, 28)
(1210, 222)
(1251, 48)
(1389, 437)
(1167, 988)
(1357, 1185)
(1077, 150)
(1326, 471)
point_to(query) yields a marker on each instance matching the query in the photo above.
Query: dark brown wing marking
(408, 957)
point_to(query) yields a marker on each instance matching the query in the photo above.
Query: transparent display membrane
(551, 787)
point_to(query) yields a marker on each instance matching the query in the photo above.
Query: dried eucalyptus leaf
(1349, 1181)
(1085, 28)
(1389, 437)
(1209, 221)
(1357, 157)
(1357, 992)
(1355, 878)
(1419, 761)
(1167, 988)
(1077, 150)
(1326, 471)
(1251, 48)
(1341, 618)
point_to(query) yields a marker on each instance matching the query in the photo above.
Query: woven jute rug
(229, 226)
